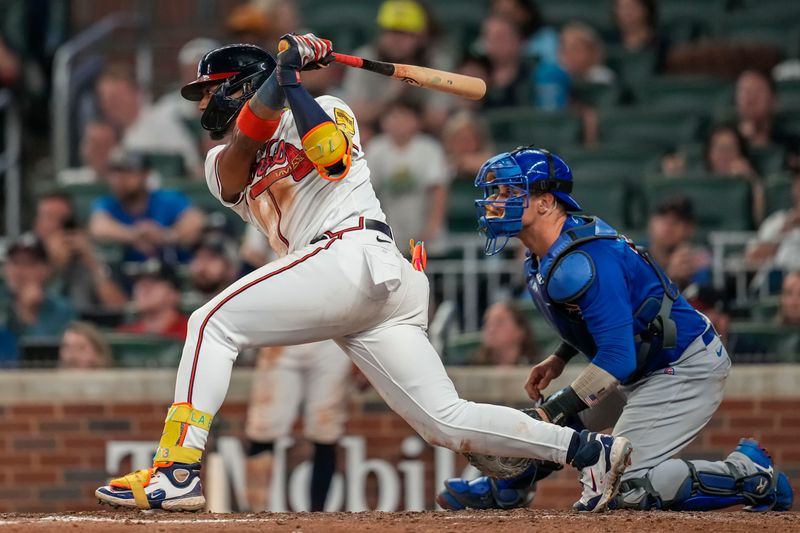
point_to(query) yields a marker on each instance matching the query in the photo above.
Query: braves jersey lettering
(287, 199)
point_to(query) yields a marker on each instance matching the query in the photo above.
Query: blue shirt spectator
(28, 309)
(160, 224)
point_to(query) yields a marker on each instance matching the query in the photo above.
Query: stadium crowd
(675, 120)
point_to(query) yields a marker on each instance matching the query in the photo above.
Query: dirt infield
(541, 521)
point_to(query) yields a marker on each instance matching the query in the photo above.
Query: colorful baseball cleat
(602, 477)
(780, 495)
(173, 488)
(485, 493)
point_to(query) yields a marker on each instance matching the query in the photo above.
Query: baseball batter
(657, 367)
(300, 176)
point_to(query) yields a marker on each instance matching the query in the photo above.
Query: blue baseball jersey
(163, 206)
(601, 294)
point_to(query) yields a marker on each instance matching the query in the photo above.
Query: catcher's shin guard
(764, 490)
(173, 483)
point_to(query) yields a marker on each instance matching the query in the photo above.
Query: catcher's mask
(239, 69)
(507, 181)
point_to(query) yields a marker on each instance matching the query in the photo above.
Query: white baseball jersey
(353, 287)
(287, 199)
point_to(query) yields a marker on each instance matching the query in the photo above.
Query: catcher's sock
(588, 450)
(322, 474)
(574, 444)
(257, 447)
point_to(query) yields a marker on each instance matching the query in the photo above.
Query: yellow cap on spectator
(402, 15)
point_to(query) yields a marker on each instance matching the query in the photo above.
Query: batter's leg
(407, 372)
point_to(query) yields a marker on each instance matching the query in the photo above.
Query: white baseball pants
(358, 290)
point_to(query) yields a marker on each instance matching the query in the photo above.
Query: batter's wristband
(254, 127)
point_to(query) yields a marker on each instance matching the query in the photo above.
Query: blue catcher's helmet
(507, 181)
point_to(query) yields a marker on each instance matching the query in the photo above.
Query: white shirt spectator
(788, 255)
(402, 178)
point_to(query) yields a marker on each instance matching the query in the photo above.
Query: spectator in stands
(789, 312)
(79, 275)
(581, 54)
(406, 35)
(173, 104)
(756, 102)
(778, 240)
(28, 309)
(263, 22)
(509, 77)
(215, 265)
(636, 24)
(541, 41)
(409, 172)
(670, 229)
(146, 223)
(144, 129)
(711, 302)
(726, 154)
(10, 65)
(98, 141)
(507, 338)
(82, 347)
(467, 145)
(156, 299)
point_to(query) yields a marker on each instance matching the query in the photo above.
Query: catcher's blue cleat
(781, 495)
(487, 493)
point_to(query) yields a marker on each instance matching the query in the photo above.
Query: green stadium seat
(83, 197)
(592, 12)
(764, 342)
(526, 125)
(609, 160)
(768, 159)
(599, 95)
(136, 351)
(766, 309)
(347, 25)
(607, 199)
(696, 94)
(461, 214)
(460, 349)
(706, 11)
(789, 94)
(632, 67)
(778, 192)
(167, 165)
(720, 203)
(772, 23)
(199, 195)
(789, 120)
(648, 127)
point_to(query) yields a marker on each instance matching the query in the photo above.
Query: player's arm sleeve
(601, 293)
(215, 187)
(327, 144)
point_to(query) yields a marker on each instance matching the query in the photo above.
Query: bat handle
(350, 61)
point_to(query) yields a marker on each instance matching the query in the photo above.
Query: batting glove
(301, 52)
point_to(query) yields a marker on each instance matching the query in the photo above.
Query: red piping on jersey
(278, 210)
(334, 237)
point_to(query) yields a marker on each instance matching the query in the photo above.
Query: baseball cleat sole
(188, 504)
(620, 460)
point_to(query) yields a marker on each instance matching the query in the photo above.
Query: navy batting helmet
(235, 67)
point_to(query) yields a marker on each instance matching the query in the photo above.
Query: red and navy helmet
(235, 68)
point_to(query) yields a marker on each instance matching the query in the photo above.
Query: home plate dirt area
(541, 521)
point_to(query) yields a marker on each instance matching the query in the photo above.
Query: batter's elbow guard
(329, 150)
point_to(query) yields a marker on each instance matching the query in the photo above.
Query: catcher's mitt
(502, 467)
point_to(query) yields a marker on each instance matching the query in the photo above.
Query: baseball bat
(429, 78)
